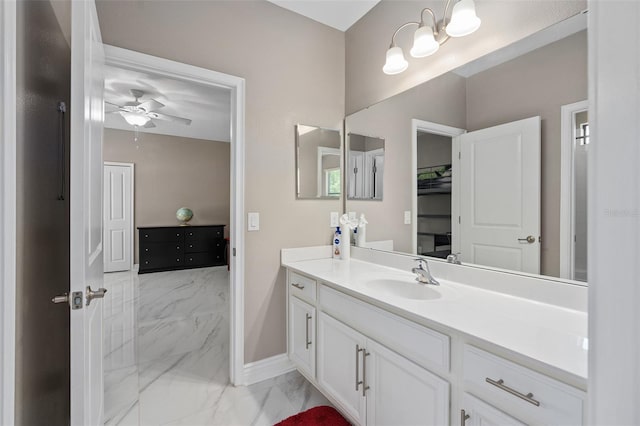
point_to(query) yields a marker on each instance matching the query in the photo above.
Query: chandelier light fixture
(428, 38)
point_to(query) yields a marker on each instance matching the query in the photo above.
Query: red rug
(316, 416)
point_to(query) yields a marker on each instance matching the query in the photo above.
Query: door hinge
(540, 239)
(459, 155)
(234, 252)
(459, 221)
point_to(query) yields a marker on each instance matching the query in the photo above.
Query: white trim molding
(129, 59)
(8, 171)
(436, 129)
(267, 368)
(614, 213)
(567, 144)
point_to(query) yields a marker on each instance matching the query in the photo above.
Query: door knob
(98, 294)
(530, 239)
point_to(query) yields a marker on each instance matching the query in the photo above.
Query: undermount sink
(404, 289)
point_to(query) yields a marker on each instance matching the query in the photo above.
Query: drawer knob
(147, 249)
(191, 234)
(177, 260)
(191, 259)
(190, 245)
(299, 286)
(177, 235)
(146, 235)
(146, 262)
(500, 385)
(177, 247)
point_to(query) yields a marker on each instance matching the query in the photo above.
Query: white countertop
(552, 335)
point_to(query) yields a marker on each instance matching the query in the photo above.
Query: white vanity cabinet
(375, 385)
(478, 413)
(302, 322)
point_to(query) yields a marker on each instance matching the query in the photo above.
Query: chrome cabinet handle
(500, 384)
(358, 381)
(530, 239)
(98, 294)
(307, 341)
(463, 417)
(365, 386)
(296, 285)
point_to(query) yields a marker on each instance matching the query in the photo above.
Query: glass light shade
(135, 118)
(464, 20)
(424, 43)
(395, 63)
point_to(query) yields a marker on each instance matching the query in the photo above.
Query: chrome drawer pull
(296, 285)
(464, 417)
(358, 381)
(500, 384)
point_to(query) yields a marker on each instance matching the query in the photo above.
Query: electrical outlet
(334, 220)
(407, 217)
(352, 215)
(254, 221)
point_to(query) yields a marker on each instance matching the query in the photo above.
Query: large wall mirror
(318, 162)
(495, 169)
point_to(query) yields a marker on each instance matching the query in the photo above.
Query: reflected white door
(118, 217)
(356, 174)
(500, 196)
(87, 118)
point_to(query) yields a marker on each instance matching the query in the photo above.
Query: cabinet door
(340, 366)
(302, 335)
(483, 414)
(401, 392)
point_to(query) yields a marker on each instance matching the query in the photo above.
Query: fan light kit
(428, 38)
(142, 114)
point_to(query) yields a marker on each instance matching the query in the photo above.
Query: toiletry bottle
(336, 243)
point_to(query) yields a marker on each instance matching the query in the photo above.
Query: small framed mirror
(318, 163)
(365, 168)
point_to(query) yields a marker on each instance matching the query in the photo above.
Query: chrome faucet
(453, 258)
(424, 274)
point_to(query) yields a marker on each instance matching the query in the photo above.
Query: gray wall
(294, 71)
(433, 150)
(172, 172)
(503, 22)
(42, 329)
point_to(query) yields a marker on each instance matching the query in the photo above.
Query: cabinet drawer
(161, 249)
(161, 261)
(160, 235)
(195, 234)
(425, 347)
(204, 259)
(302, 287)
(195, 246)
(499, 382)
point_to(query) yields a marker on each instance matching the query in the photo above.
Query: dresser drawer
(513, 387)
(202, 233)
(424, 346)
(195, 246)
(160, 261)
(302, 287)
(159, 235)
(204, 259)
(162, 249)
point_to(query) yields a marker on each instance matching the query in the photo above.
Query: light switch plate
(407, 217)
(334, 219)
(253, 221)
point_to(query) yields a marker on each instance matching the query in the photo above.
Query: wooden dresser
(166, 248)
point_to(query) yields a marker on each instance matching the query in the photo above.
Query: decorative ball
(184, 215)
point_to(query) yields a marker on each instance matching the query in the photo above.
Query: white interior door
(87, 118)
(118, 217)
(500, 196)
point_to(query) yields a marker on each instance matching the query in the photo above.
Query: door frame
(131, 212)
(8, 174)
(436, 129)
(567, 202)
(132, 60)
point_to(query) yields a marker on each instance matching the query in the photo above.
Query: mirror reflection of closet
(318, 162)
(365, 167)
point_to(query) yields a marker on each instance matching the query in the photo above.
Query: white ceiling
(339, 14)
(209, 108)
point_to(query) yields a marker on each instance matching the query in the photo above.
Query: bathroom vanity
(387, 350)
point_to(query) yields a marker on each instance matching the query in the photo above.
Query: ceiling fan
(142, 114)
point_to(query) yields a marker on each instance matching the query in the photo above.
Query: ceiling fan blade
(173, 118)
(149, 125)
(150, 105)
(112, 104)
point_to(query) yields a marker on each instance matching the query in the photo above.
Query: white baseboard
(267, 368)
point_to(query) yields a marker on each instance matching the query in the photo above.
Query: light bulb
(395, 63)
(464, 20)
(424, 43)
(135, 118)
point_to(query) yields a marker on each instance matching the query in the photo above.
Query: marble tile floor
(166, 356)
